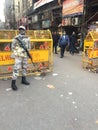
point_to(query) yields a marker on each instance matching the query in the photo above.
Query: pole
(84, 23)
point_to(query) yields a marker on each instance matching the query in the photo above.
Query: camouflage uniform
(21, 58)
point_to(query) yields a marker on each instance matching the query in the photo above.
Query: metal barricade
(41, 52)
(90, 53)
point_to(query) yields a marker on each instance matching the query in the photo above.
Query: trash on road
(70, 93)
(61, 95)
(54, 74)
(73, 102)
(50, 86)
(38, 78)
(8, 89)
(75, 119)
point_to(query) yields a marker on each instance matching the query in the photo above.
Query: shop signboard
(41, 3)
(72, 7)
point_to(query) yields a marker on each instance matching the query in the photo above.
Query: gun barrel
(21, 43)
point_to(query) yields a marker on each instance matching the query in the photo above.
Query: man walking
(73, 41)
(55, 38)
(21, 57)
(63, 42)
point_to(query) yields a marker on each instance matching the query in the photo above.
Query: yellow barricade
(41, 52)
(90, 53)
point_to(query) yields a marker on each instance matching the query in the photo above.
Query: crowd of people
(65, 42)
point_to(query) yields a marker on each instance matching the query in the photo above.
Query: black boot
(13, 85)
(24, 81)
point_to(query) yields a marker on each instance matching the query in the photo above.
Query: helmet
(22, 27)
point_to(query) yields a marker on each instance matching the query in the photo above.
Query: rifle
(21, 43)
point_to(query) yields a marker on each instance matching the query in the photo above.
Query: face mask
(22, 32)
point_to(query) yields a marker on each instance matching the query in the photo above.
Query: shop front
(72, 12)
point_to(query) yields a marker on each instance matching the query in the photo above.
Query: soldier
(21, 58)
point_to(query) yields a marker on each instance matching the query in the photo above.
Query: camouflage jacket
(19, 51)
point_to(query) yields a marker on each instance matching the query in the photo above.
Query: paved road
(66, 99)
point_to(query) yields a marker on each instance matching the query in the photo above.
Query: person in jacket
(73, 41)
(63, 42)
(21, 58)
(55, 38)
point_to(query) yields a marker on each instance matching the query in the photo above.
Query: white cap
(22, 27)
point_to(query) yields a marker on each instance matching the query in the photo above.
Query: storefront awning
(41, 3)
(72, 15)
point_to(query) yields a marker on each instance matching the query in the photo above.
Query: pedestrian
(20, 56)
(63, 42)
(55, 38)
(73, 41)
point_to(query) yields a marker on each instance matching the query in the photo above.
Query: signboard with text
(71, 7)
(41, 3)
(38, 56)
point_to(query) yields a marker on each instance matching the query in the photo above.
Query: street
(65, 99)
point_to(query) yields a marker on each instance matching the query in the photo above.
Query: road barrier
(41, 52)
(90, 53)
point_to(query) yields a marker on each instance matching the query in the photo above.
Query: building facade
(44, 14)
(7, 13)
(71, 15)
(16, 13)
(91, 14)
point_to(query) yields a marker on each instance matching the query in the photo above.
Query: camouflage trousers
(20, 63)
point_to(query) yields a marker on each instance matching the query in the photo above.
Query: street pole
(84, 23)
